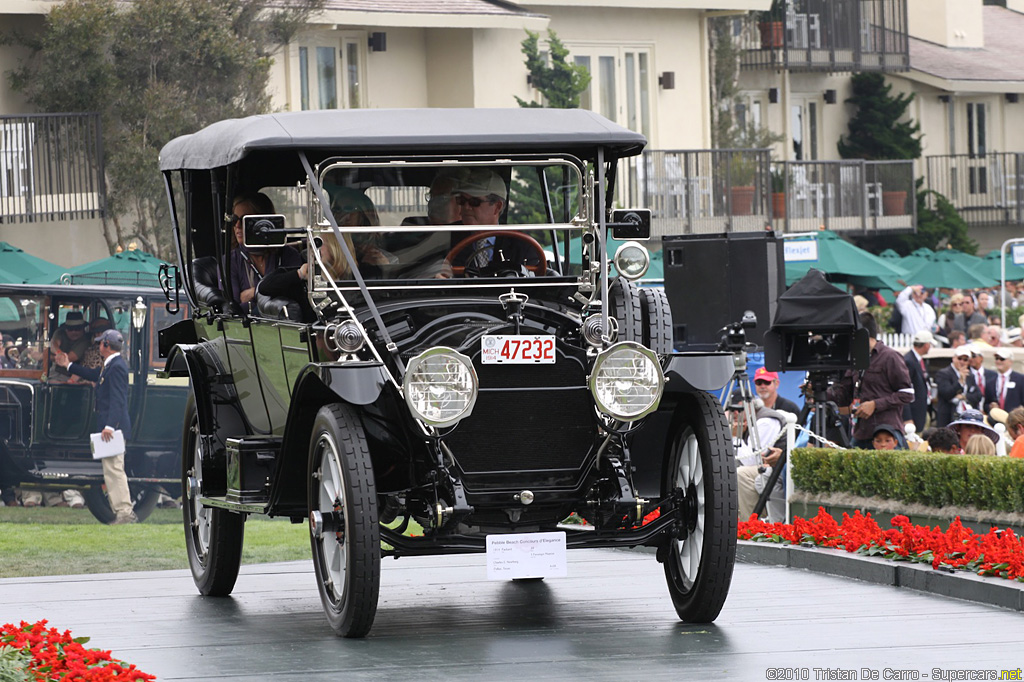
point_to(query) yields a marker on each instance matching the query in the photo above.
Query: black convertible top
(401, 131)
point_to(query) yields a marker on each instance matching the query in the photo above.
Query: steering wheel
(540, 269)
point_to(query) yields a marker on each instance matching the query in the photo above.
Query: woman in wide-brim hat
(970, 423)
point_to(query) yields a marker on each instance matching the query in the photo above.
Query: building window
(977, 147)
(620, 90)
(330, 72)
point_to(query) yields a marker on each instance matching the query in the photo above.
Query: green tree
(560, 84)
(877, 130)
(153, 69)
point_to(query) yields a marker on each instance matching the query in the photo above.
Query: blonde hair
(979, 444)
(1015, 421)
(334, 259)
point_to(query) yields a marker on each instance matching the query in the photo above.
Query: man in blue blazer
(111, 414)
(1007, 390)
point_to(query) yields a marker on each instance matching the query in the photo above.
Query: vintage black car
(416, 399)
(46, 416)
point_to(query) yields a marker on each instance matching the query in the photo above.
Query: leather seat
(205, 276)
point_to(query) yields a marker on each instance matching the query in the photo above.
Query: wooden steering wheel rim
(539, 269)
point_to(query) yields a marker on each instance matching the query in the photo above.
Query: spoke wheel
(344, 534)
(144, 500)
(699, 567)
(213, 537)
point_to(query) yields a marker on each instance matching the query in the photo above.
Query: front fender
(689, 372)
(356, 383)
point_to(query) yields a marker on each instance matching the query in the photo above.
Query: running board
(242, 507)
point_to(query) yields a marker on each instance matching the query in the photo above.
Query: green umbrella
(889, 254)
(990, 267)
(16, 266)
(842, 262)
(969, 261)
(126, 268)
(945, 271)
(916, 259)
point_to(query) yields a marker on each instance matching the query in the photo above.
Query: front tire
(344, 533)
(213, 537)
(699, 567)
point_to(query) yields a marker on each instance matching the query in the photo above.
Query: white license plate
(526, 555)
(517, 349)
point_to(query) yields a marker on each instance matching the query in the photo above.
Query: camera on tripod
(734, 335)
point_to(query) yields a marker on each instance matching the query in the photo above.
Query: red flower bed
(997, 553)
(52, 655)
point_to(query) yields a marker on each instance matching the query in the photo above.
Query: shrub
(938, 480)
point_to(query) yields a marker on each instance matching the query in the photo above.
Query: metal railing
(987, 189)
(700, 191)
(51, 167)
(827, 35)
(844, 196)
(741, 190)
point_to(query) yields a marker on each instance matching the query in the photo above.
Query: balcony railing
(844, 196)
(987, 189)
(51, 167)
(731, 190)
(828, 35)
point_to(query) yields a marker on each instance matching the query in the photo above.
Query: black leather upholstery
(277, 308)
(207, 285)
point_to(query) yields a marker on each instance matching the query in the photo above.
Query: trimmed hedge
(938, 480)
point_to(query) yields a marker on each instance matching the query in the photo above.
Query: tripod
(741, 380)
(826, 412)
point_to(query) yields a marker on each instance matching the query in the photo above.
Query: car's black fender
(357, 383)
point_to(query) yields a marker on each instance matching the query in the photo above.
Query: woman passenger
(249, 266)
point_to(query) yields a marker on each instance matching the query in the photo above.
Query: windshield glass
(430, 221)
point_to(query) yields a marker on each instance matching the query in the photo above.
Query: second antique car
(46, 416)
(453, 369)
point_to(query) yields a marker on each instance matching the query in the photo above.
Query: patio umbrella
(844, 262)
(966, 259)
(889, 254)
(16, 266)
(126, 268)
(916, 258)
(990, 267)
(944, 270)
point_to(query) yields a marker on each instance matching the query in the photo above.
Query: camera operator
(878, 395)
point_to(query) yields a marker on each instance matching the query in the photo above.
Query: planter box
(773, 34)
(894, 203)
(742, 200)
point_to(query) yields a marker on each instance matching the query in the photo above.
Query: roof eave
(533, 22)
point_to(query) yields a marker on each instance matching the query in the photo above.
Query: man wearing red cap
(767, 386)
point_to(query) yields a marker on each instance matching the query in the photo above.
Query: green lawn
(62, 541)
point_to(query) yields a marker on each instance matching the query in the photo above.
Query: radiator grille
(529, 428)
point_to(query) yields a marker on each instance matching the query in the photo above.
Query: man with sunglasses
(111, 415)
(481, 196)
(767, 386)
(957, 389)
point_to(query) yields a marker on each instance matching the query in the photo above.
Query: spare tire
(657, 320)
(625, 306)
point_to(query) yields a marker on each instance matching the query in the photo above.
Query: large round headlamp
(627, 381)
(632, 260)
(440, 386)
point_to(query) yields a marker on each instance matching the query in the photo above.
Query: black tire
(346, 548)
(699, 568)
(625, 307)
(144, 500)
(657, 320)
(213, 537)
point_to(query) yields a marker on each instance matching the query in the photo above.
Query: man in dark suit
(917, 411)
(111, 415)
(1007, 390)
(982, 377)
(956, 388)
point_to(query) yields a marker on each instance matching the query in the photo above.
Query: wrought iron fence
(827, 35)
(987, 189)
(51, 167)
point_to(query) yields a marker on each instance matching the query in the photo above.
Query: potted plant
(772, 26)
(778, 192)
(742, 167)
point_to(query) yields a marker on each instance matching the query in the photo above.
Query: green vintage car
(45, 420)
(431, 384)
